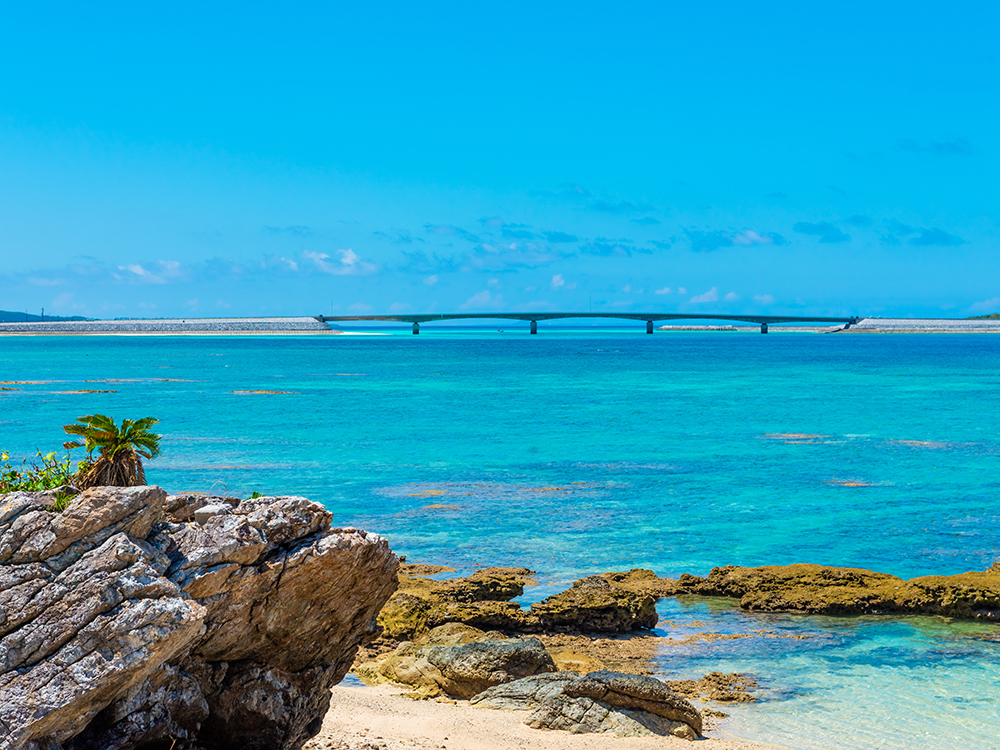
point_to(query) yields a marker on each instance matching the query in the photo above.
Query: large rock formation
(120, 630)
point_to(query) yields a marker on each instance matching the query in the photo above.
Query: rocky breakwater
(820, 589)
(121, 628)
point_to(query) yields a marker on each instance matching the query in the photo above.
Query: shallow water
(578, 451)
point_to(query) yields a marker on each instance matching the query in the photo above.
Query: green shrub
(44, 472)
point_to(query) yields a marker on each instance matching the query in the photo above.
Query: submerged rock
(121, 631)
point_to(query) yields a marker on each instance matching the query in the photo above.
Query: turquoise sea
(584, 450)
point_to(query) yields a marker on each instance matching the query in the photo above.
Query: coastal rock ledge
(122, 630)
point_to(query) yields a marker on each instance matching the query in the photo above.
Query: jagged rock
(599, 702)
(459, 661)
(181, 508)
(819, 589)
(120, 632)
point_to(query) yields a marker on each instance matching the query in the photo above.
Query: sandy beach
(380, 718)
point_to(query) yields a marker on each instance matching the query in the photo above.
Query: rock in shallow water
(121, 632)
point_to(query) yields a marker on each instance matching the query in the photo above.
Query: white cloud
(431, 280)
(681, 290)
(712, 295)
(292, 265)
(222, 304)
(192, 304)
(731, 297)
(530, 289)
(558, 281)
(347, 263)
(986, 306)
(40, 281)
(627, 288)
(141, 274)
(764, 299)
(750, 237)
(360, 308)
(493, 282)
(400, 307)
(483, 301)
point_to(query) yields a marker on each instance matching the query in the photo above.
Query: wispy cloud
(450, 229)
(987, 306)
(556, 237)
(647, 221)
(712, 295)
(664, 290)
(826, 231)
(946, 147)
(764, 299)
(620, 207)
(297, 231)
(484, 301)
(859, 220)
(935, 237)
(346, 263)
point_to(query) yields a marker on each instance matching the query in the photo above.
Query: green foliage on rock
(45, 472)
(120, 450)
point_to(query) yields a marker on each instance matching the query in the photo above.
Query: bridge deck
(529, 316)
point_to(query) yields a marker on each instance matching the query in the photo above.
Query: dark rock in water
(120, 631)
(819, 589)
(482, 600)
(593, 605)
(599, 702)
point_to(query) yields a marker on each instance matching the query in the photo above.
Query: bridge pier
(534, 327)
(649, 326)
(416, 329)
(763, 327)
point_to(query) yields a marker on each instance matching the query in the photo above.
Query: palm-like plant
(120, 450)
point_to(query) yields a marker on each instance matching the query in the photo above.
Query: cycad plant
(120, 450)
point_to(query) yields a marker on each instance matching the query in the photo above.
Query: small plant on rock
(44, 473)
(120, 450)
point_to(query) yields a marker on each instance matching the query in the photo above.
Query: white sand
(373, 718)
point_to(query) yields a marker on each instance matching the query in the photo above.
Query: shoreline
(380, 717)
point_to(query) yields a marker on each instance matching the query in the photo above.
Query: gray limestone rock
(626, 705)
(472, 667)
(122, 632)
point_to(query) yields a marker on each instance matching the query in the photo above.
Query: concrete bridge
(762, 320)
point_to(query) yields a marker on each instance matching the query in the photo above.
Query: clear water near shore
(575, 452)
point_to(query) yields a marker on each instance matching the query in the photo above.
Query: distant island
(991, 316)
(6, 316)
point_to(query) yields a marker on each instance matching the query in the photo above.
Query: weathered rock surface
(600, 702)
(482, 600)
(459, 661)
(121, 631)
(818, 589)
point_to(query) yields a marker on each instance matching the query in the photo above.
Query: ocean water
(582, 450)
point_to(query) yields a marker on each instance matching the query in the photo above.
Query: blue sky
(801, 158)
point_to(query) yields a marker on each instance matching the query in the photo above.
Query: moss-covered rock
(482, 600)
(819, 589)
(595, 605)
